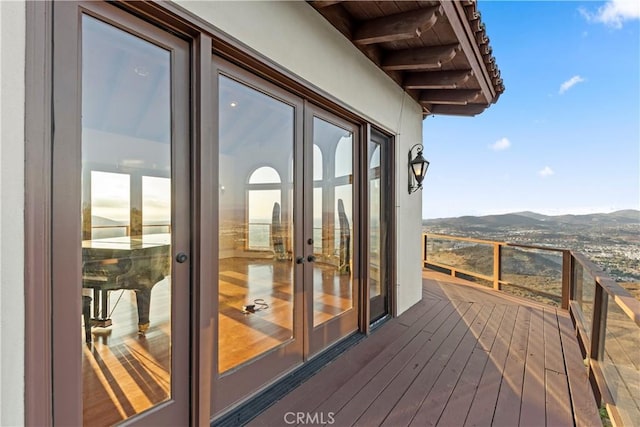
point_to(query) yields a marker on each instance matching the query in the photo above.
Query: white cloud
(613, 13)
(501, 144)
(547, 171)
(570, 83)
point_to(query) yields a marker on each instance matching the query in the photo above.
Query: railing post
(598, 332)
(567, 278)
(424, 249)
(497, 265)
(598, 323)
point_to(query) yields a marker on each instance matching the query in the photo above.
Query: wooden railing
(606, 316)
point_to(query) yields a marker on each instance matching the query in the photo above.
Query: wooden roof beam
(449, 96)
(401, 26)
(436, 79)
(426, 58)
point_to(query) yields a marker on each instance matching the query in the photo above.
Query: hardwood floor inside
(244, 336)
(125, 374)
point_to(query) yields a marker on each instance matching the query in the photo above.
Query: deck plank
(532, 409)
(483, 405)
(346, 393)
(558, 411)
(585, 410)
(464, 355)
(455, 412)
(510, 396)
(334, 387)
(435, 402)
(350, 412)
(420, 385)
(557, 388)
(308, 395)
(553, 359)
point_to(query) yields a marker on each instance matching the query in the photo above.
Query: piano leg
(86, 314)
(101, 308)
(143, 300)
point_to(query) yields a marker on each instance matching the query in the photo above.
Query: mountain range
(611, 240)
(534, 220)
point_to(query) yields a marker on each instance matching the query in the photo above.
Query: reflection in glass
(126, 157)
(333, 216)
(255, 240)
(156, 205)
(262, 199)
(375, 232)
(621, 362)
(584, 294)
(110, 204)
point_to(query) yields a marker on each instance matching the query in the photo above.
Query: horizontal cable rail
(606, 316)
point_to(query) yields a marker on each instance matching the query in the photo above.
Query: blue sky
(565, 135)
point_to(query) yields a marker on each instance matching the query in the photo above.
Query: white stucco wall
(294, 35)
(12, 86)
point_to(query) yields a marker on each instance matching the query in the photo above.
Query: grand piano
(136, 263)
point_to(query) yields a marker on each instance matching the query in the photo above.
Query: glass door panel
(375, 284)
(127, 287)
(379, 224)
(256, 300)
(332, 210)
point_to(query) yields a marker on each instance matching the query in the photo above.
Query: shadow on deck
(464, 355)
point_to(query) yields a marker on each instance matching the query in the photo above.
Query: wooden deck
(463, 356)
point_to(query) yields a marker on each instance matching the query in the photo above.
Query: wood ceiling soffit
(458, 110)
(319, 4)
(426, 58)
(400, 26)
(449, 96)
(436, 79)
(339, 18)
(393, 36)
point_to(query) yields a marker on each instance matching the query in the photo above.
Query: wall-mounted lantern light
(417, 168)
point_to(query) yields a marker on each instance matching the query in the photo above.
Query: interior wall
(327, 60)
(12, 90)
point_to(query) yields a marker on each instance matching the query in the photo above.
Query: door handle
(300, 260)
(311, 258)
(181, 257)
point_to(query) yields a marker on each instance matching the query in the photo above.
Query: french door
(287, 203)
(330, 235)
(120, 220)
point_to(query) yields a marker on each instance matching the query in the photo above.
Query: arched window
(343, 188)
(265, 175)
(264, 191)
(344, 156)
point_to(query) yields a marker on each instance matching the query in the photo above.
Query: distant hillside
(101, 221)
(539, 221)
(610, 240)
